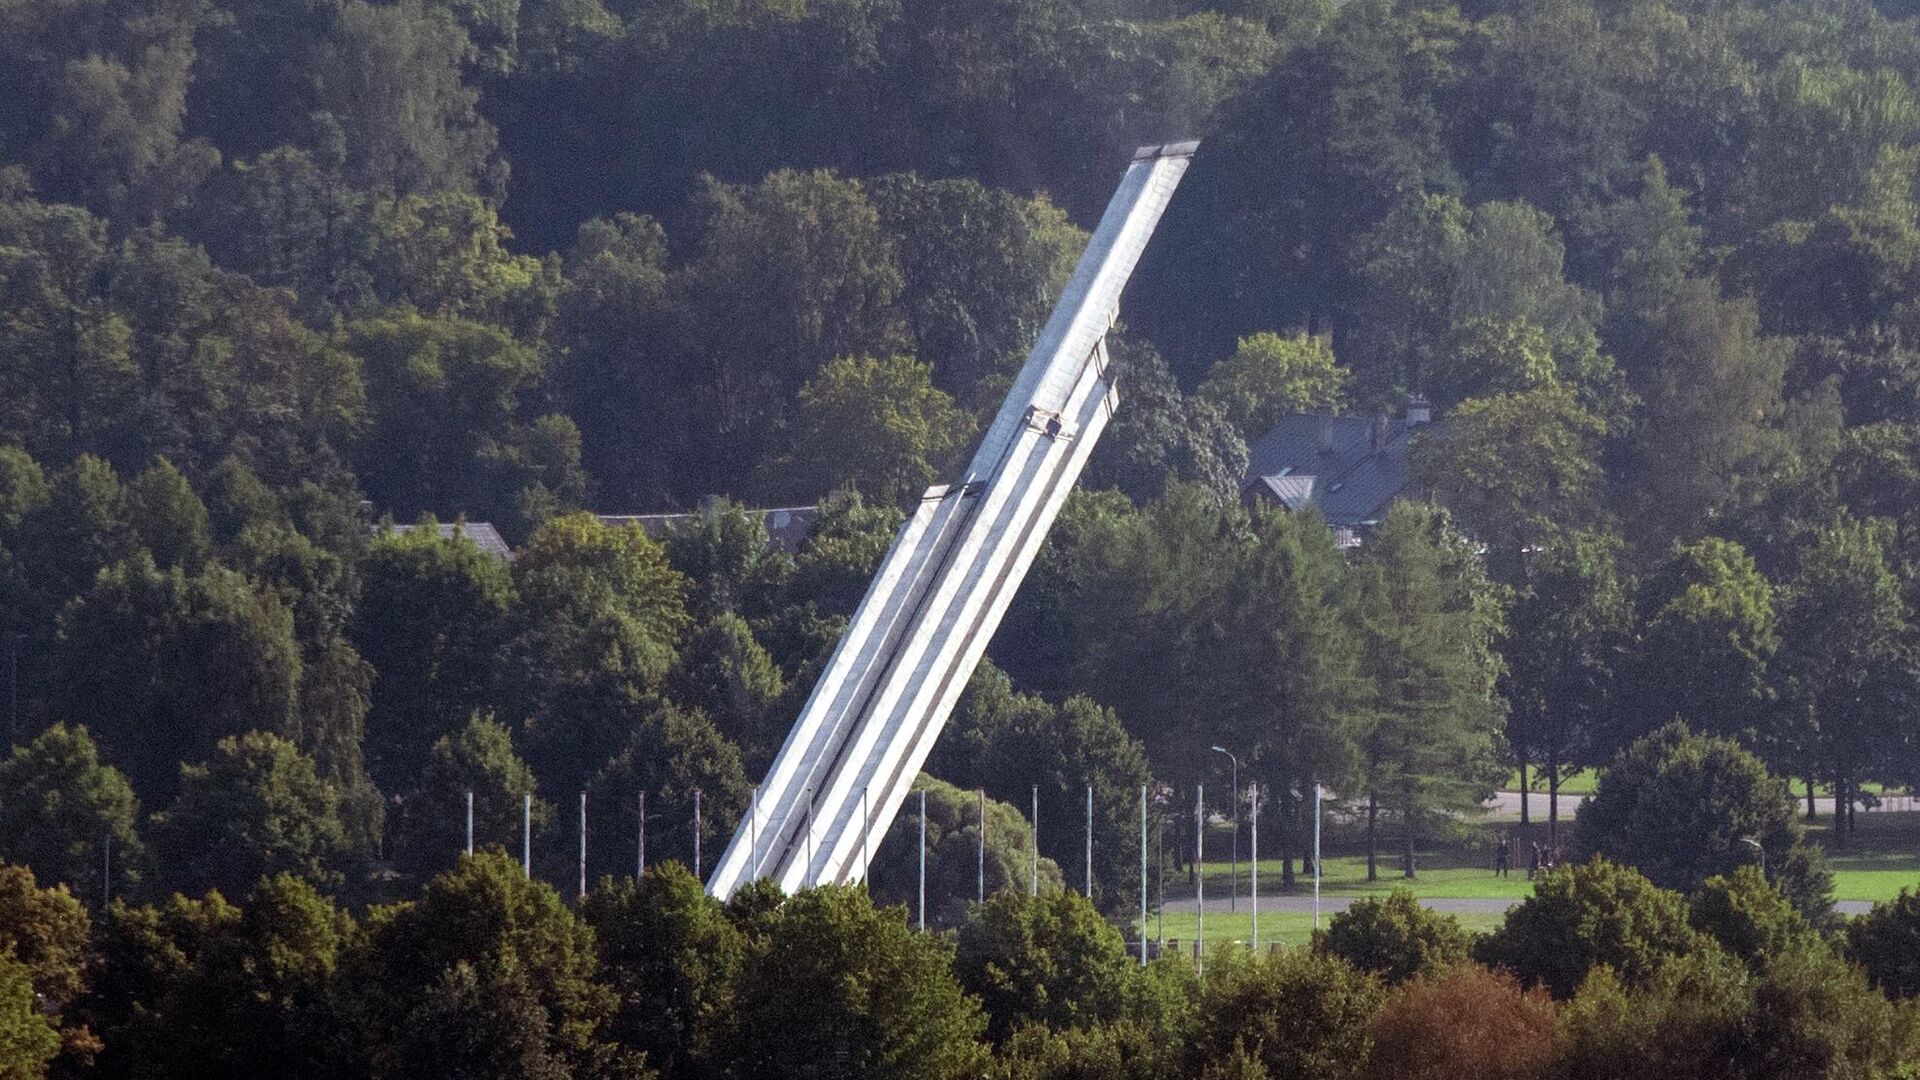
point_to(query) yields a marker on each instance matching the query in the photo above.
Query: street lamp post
(1233, 888)
(1755, 845)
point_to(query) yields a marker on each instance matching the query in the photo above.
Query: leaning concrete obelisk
(893, 680)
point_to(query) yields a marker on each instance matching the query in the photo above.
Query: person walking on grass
(1501, 857)
(1533, 861)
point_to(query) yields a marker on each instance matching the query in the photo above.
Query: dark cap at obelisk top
(1172, 149)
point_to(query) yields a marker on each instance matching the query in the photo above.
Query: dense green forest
(487, 974)
(274, 275)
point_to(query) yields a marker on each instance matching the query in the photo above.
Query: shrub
(1469, 1021)
(1395, 938)
(1679, 808)
(1294, 1013)
(1051, 958)
(1747, 917)
(1582, 916)
(1886, 942)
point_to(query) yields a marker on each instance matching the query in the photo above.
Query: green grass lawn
(1437, 874)
(1580, 783)
(1283, 927)
(1584, 781)
(1880, 858)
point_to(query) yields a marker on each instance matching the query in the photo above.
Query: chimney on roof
(1326, 433)
(1419, 410)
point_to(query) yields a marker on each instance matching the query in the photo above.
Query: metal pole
(1033, 832)
(922, 858)
(641, 860)
(1143, 874)
(980, 883)
(583, 845)
(696, 834)
(1253, 862)
(469, 823)
(1199, 871)
(1316, 856)
(1233, 883)
(526, 834)
(1089, 841)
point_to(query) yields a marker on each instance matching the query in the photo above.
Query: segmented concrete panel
(924, 624)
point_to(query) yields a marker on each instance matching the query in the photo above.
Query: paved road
(1457, 905)
(1506, 804)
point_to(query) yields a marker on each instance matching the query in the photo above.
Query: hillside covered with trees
(277, 274)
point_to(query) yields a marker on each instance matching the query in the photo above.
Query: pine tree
(1430, 620)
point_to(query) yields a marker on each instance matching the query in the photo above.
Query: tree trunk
(1853, 794)
(1303, 818)
(1406, 834)
(1523, 791)
(1286, 815)
(1839, 801)
(1373, 847)
(1553, 800)
(1813, 814)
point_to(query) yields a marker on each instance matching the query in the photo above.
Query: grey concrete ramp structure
(893, 680)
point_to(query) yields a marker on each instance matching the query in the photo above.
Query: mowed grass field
(1580, 783)
(1438, 873)
(1880, 858)
(1276, 927)
(1583, 782)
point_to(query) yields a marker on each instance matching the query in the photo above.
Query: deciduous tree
(673, 956)
(1269, 376)
(476, 761)
(500, 956)
(59, 804)
(876, 425)
(1290, 1013)
(836, 985)
(431, 618)
(1588, 914)
(1050, 960)
(1396, 938)
(1569, 641)
(253, 809)
(1681, 807)
(1468, 1021)
(160, 665)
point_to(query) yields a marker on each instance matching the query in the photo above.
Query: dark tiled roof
(1351, 484)
(484, 536)
(787, 526)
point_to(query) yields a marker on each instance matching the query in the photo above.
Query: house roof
(483, 534)
(1351, 483)
(1289, 490)
(787, 526)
